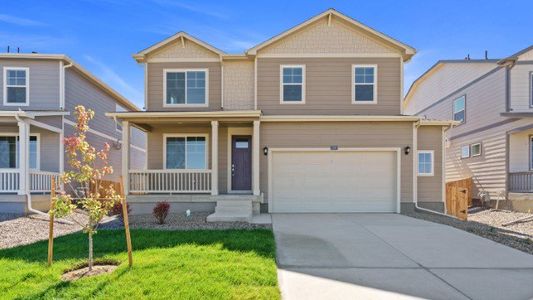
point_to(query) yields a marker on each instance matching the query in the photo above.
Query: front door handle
(232, 170)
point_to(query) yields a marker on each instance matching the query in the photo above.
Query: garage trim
(325, 149)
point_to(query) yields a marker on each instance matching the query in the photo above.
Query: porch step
(232, 210)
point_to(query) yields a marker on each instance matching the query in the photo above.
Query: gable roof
(407, 50)
(516, 55)
(140, 56)
(61, 57)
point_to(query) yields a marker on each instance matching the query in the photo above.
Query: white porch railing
(170, 181)
(41, 181)
(9, 180)
(521, 182)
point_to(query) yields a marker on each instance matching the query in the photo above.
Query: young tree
(88, 167)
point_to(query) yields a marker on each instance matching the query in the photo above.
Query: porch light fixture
(265, 150)
(407, 150)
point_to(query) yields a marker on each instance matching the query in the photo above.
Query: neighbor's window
(186, 87)
(425, 163)
(531, 152)
(459, 109)
(9, 152)
(364, 84)
(16, 86)
(292, 84)
(475, 149)
(531, 89)
(186, 152)
(465, 151)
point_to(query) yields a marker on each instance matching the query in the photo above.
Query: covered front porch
(520, 177)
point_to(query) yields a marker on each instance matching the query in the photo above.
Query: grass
(202, 264)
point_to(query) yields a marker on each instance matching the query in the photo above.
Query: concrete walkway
(376, 256)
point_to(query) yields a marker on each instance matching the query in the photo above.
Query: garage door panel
(308, 181)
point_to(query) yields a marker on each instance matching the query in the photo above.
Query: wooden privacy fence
(117, 186)
(459, 197)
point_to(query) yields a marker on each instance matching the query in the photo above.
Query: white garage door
(333, 181)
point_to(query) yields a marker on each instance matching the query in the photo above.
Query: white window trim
(38, 136)
(204, 135)
(530, 150)
(375, 101)
(461, 149)
(432, 154)
(531, 89)
(27, 85)
(472, 152)
(464, 109)
(165, 71)
(281, 84)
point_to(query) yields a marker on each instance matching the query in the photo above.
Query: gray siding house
(39, 93)
(493, 101)
(308, 121)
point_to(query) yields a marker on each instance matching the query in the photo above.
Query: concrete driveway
(366, 256)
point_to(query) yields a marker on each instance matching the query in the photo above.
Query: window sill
(16, 104)
(364, 102)
(292, 102)
(185, 105)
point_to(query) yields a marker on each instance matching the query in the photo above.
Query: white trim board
(398, 151)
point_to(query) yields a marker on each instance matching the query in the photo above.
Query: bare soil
(84, 272)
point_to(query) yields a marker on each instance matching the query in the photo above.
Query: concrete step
(232, 210)
(217, 217)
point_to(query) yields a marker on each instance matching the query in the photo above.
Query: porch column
(255, 159)
(214, 158)
(126, 156)
(24, 158)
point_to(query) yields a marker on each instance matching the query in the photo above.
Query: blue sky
(103, 34)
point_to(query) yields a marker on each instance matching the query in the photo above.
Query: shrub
(117, 210)
(161, 211)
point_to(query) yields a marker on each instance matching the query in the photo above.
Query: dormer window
(16, 86)
(292, 87)
(364, 84)
(185, 87)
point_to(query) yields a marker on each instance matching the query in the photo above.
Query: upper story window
(364, 80)
(186, 87)
(425, 163)
(459, 109)
(292, 84)
(16, 86)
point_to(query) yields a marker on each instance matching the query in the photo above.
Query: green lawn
(230, 264)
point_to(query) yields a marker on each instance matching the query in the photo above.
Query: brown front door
(241, 157)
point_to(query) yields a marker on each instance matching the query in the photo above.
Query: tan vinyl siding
(430, 187)
(521, 87)
(188, 49)
(328, 87)
(360, 134)
(44, 83)
(156, 79)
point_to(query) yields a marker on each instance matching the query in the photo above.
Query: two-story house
(493, 102)
(39, 93)
(307, 121)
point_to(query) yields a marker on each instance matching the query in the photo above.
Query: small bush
(161, 211)
(117, 210)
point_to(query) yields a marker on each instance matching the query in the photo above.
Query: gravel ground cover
(16, 230)
(488, 224)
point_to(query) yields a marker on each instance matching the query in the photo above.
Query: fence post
(126, 222)
(51, 224)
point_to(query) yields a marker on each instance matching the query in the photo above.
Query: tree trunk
(90, 251)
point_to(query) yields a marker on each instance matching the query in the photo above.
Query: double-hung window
(9, 152)
(364, 84)
(16, 86)
(186, 87)
(425, 163)
(186, 152)
(531, 152)
(292, 84)
(459, 109)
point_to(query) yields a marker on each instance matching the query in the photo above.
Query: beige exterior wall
(520, 151)
(188, 49)
(338, 37)
(239, 85)
(430, 187)
(328, 87)
(526, 56)
(342, 134)
(521, 87)
(155, 83)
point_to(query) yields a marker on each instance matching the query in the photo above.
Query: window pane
(196, 153)
(175, 88)
(196, 87)
(465, 152)
(459, 104)
(8, 152)
(16, 94)
(476, 149)
(16, 77)
(292, 75)
(175, 153)
(364, 92)
(460, 116)
(292, 93)
(364, 75)
(33, 152)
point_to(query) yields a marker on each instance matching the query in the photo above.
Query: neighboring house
(493, 101)
(39, 93)
(308, 121)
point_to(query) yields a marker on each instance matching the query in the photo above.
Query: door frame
(236, 131)
(398, 151)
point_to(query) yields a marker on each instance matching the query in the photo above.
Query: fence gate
(458, 198)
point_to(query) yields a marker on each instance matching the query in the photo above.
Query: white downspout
(415, 174)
